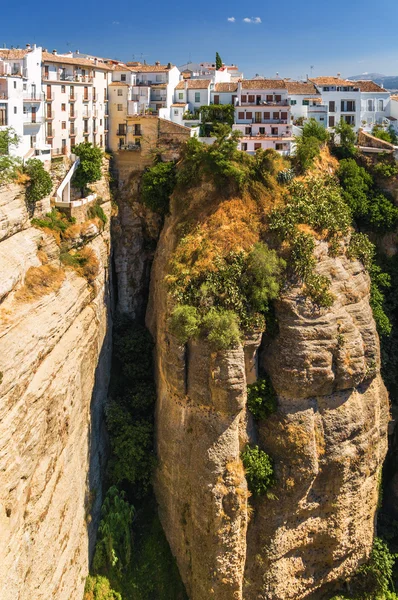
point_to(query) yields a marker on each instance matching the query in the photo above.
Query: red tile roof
(301, 87)
(142, 68)
(48, 57)
(226, 87)
(194, 84)
(263, 84)
(369, 86)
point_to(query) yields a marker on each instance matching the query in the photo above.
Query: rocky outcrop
(328, 440)
(54, 365)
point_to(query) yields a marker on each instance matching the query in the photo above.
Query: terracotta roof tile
(263, 84)
(10, 54)
(194, 84)
(139, 68)
(226, 87)
(301, 87)
(369, 86)
(180, 104)
(333, 81)
(69, 60)
(119, 83)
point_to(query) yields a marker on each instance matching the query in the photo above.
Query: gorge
(244, 276)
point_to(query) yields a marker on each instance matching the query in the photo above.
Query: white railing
(66, 180)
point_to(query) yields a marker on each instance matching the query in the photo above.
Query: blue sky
(347, 36)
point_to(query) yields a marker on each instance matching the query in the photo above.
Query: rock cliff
(54, 365)
(328, 440)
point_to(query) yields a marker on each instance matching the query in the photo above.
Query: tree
(307, 149)
(157, 185)
(40, 183)
(346, 133)
(218, 61)
(357, 185)
(313, 129)
(89, 169)
(8, 138)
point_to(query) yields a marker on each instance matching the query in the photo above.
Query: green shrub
(379, 280)
(285, 176)
(313, 129)
(348, 138)
(259, 470)
(114, 541)
(98, 588)
(132, 457)
(90, 167)
(40, 184)
(8, 138)
(357, 184)
(382, 214)
(261, 398)
(361, 247)
(317, 288)
(96, 211)
(157, 184)
(54, 220)
(221, 328)
(307, 149)
(385, 168)
(374, 579)
(262, 276)
(185, 322)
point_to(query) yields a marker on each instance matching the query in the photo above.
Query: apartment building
(263, 115)
(76, 101)
(375, 104)
(306, 102)
(22, 102)
(154, 87)
(224, 93)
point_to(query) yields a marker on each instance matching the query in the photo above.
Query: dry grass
(40, 281)
(84, 262)
(72, 232)
(42, 256)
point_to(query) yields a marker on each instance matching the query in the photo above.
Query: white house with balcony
(263, 116)
(342, 98)
(22, 102)
(306, 102)
(76, 101)
(375, 105)
(224, 93)
(154, 87)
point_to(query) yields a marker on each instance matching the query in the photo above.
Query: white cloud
(115, 23)
(255, 20)
(231, 19)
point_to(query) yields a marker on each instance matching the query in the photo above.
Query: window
(332, 106)
(32, 141)
(197, 96)
(251, 99)
(261, 130)
(180, 95)
(63, 142)
(216, 99)
(278, 98)
(100, 122)
(25, 110)
(284, 116)
(249, 115)
(72, 91)
(370, 105)
(350, 119)
(15, 85)
(293, 102)
(120, 92)
(244, 98)
(274, 131)
(137, 129)
(275, 116)
(244, 147)
(278, 146)
(267, 116)
(101, 141)
(306, 102)
(257, 146)
(331, 121)
(381, 105)
(248, 130)
(122, 129)
(63, 89)
(15, 110)
(269, 98)
(257, 117)
(25, 87)
(241, 115)
(176, 112)
(123, 77)
(63, 106)
(120, 106)
(63, 126)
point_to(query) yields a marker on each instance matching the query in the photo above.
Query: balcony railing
(68, 77)
(33, 97)
(264, 103)
(86, 98)
(262, 122)
(50, 115)
(29, 121)
(158, 98)
(3, 95)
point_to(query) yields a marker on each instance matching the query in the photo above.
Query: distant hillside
(390, 82)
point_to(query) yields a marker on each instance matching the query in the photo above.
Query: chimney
(157, 63)
(28, 46)
(169, 65)
(77, 52)
(339, 75)
(96, 61)
(54, 52)
(34, 47)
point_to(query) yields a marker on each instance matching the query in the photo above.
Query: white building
(306, 102)
(22, 102)
(76, 101)
(154, 87)
(224, 93)
(375, 104)
(262, 114)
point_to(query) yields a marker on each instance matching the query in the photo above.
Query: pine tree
(218, 61)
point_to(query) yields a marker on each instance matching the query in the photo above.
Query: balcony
(3, 95)
(73, 117)
(158, 98)
(262, 122)
(87, 99)
(264, 103)
(33, 98)
(50, 115)
(121, 132)
(72, 99)
(31, 122)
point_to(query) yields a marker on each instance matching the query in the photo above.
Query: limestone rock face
(328, 440)
(54, 365)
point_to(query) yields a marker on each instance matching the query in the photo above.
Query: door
(48, 92)
(216, 99)
(34, 114)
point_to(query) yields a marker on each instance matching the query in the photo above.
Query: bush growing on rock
(157, 184)
(259, 470)
(90, 167)
(40, 184)
(98, 588)
(261, 398)
(185, 322)
(222, 328)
